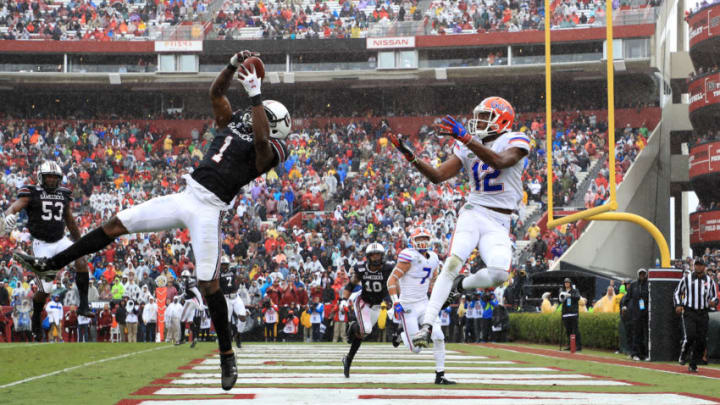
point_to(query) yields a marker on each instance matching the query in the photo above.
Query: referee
(694, 296)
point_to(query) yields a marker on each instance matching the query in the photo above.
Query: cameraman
(569, 298)
(489, 303)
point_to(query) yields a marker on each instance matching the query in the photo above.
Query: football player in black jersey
(191, 308)
(229, 287)
(366, 290)
(248, 144)
(48, 209)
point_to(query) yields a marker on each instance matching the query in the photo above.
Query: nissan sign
(390, 42)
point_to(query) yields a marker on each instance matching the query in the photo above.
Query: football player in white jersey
(493, 158)
(413, 273)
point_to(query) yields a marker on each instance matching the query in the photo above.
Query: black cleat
(86, 312)
(346, 366)
(229, 371)
(194, 342)
(422, 337)
(456, 291)
(396, 339)
(692, 369)
(441, 380)
(36, 265)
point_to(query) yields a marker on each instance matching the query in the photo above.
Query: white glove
(240, 57)
(249, 80)
(10, 222)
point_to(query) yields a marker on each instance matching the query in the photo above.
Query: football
(257, 63)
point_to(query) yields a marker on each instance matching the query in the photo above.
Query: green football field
(110, 373)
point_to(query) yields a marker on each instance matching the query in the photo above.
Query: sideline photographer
(569, 298)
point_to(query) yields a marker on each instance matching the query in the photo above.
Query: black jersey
(46, 211)
(374, 284)
(227, 281)
(229, 163)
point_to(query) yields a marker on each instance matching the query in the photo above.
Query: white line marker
(376, 396)
(354, 367)
(415, 379)
(89, 363)
(310, 355)
(390, 378)
(19, 345)
(259, 361)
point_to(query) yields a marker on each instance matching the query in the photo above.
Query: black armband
(231, 67)
(256, 100)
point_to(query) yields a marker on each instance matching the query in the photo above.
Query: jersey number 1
(218, 156)
(486, 173)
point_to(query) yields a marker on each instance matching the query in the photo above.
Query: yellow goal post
(600, 213)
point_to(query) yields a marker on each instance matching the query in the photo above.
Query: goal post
(603, 212)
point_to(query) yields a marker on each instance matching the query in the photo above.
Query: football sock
(82, 280)
(442, 288)
(354, 348)
(36, 318)
(219, 315)
(90, 243)
(439, 354)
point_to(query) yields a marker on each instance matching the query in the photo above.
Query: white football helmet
(225, 260)
(372, 249)
(279, 119)
(49, 167)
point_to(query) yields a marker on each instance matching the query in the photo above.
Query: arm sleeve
(519, 140)
(679, 290)
(405, 256)
(25, 191)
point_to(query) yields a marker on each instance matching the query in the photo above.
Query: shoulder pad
(64, 190)
(406, 255)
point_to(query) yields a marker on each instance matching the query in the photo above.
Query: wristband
(394, 298)
(256, 100)
(231, 67)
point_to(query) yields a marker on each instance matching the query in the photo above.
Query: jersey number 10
(483, 178)
(373, 286)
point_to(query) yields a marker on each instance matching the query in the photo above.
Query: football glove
(249, 80)
(10, 222)
(398, 309)
(451, 127)
(399, 144)
(240, 57)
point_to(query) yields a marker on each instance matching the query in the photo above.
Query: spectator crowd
(348, 180)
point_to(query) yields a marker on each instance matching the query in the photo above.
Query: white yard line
(361, 355)
(18, 345)
(89, 363)
(355, 367)
(416, 378)
(387, 377)
(259, 361)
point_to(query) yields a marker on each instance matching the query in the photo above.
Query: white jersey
(490, 187)
(414, 284)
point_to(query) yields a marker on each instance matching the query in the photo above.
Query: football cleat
(396, 339)
(441, 380)
(36, 265)
(346, 366)
(456, 291)
(228, 367)
(194, 342)
(422, 338)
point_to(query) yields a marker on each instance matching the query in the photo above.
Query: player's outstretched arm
(446, 170)
(220, 103)
(264, 155)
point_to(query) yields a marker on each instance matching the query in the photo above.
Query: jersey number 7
(427, 270)
(484, 176)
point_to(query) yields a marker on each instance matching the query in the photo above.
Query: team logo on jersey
(161, 281)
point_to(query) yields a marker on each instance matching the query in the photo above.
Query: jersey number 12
(483, 178)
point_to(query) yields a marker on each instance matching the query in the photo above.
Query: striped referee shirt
(696, 292)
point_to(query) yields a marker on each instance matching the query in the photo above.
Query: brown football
(257, 63)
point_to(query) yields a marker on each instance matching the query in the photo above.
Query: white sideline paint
(334, 396)
(18, 345)
(466, 363)
(390, 378)
(354, 367)
(407, 379)
(89, 363)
